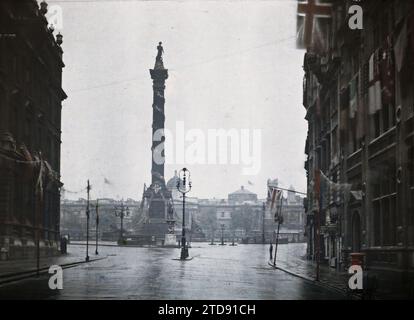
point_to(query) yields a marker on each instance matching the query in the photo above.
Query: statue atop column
(159, 64)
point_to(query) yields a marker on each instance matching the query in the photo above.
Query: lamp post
(88, 189)
(222, 234)
(121, 212)
(232, 241)
(263, 223)
(97, 226)
(279, 220)
(212, 238)
(184, 186)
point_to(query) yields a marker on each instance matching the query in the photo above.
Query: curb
(12, 277)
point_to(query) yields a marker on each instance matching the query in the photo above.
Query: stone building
(358, 94)
(73, 218)
(241, 196)
(30, 130)
(240, 216)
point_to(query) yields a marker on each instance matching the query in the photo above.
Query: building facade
(31, 98)
(358, 94)
(241, 216)
(73, 218)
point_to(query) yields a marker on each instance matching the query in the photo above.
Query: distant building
(31, 98)
(241, 196)
(73, 218)
(241, 216)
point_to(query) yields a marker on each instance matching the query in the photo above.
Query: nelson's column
(158, 223)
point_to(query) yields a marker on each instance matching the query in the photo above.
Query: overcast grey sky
(232, 64)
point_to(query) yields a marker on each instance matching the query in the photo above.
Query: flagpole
(289, 190)
(97, 226)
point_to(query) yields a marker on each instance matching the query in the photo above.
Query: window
(335, 142)
(2, 106)
(383, 120)
(384, 187)
(411, 185)
(377, 223)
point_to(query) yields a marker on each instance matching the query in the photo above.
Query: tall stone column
(157, 196)
(159, 74)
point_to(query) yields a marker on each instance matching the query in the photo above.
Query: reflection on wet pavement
(216, 272)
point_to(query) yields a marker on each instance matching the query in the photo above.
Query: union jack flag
(313, 19)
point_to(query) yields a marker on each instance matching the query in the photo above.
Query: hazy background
(232, 64)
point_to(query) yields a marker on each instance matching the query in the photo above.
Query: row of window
(28, 74)
(28, 128)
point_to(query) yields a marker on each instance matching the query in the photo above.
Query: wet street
(215, 272)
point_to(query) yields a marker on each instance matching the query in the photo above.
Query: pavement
(215, 273)
(297, 265)
(291, 259)
(15, 270)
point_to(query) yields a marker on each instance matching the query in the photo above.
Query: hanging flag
(360, 127)
(400, 47)
(353, 92)
(344, 114)
(342, 188)
(387, 73)
(374, 97)
(374, 84)
(316, 187)
(410, 28)
(362, 90)
(358, 195)
(275, 202)
(318, 101)
(313, 19)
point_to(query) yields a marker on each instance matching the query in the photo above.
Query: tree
(243, 218)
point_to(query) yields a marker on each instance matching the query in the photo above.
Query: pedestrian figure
(63, 245)
(271, 251)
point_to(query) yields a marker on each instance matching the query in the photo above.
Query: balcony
(354, 161)
(409, 129)
(382, 144)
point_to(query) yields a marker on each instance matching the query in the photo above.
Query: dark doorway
(356, 232)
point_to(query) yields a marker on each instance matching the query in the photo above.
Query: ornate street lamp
(184, 186)
(121, 212)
